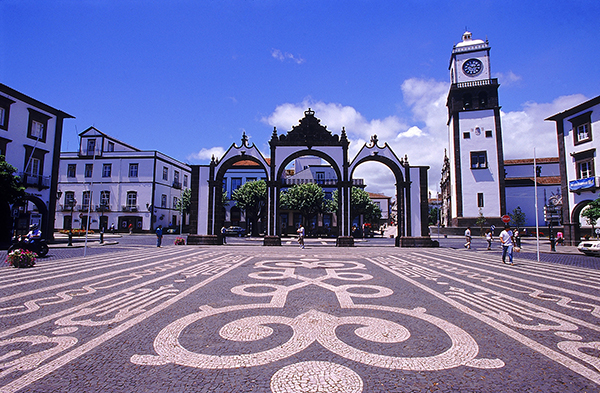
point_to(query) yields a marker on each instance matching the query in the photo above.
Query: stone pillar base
(416, 241)
(212, 240)
(272, 241)
(344, 241)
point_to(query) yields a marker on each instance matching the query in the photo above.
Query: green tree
(10, 185)
(592, 213)
(360, 203)
(184, 203)
(308, 199)
(480, 221)
(11, 190)
(252, 199)
(517, 217)
(434, 213)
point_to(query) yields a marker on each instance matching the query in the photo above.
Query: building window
(69, 199)
(185, 180)
(488, 133)
(585, 169)
(236, 182)
(466, 135)
(320, 176)
(175, 202)
(131, 199)
(38, 123)
(104, 198)
(163, 201)
(478, 160)
(89, 169)
(584, 163)
(91, 147)
(582, 128)
(5, 104)
(133, 170)
(37, 129)
(85, 200)
(483, 100)
(71, 168)
(110, 146)
(467, 101)
(176, 176)
(106, 170)
(33, 167)
(480, 199)
(165, 173)
(583, 132)
(249, 179)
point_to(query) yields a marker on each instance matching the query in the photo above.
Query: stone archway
(310, 138)
(575, 225)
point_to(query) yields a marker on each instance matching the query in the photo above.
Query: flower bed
(76, 232)
(21, 258)
(179, 241)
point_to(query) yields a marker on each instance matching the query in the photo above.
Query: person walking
(224, 235)
(488, 238)
(301, 234)
(468, 238)
(506, 238)
(159, 236)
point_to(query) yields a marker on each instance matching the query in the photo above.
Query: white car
(589, 247)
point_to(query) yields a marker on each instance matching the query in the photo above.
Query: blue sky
(188, 77)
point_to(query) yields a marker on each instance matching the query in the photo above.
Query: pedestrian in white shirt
(506, 238)
(468, 237)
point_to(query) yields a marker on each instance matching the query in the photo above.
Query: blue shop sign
(582, 184)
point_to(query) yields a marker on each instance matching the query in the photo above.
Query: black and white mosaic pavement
(282, 319)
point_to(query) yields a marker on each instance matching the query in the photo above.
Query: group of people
(507, 237)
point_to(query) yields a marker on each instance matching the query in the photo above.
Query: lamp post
(102, 207)
(70, 244)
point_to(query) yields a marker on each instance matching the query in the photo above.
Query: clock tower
(475, 137)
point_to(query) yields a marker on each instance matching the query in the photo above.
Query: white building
(30, 137)
(114, 183)
(577, 151)
(476, 162)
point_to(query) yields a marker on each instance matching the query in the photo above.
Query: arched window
(467, 101)
(483, 99)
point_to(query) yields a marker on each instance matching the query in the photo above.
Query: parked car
(590, 247)
(235, 231)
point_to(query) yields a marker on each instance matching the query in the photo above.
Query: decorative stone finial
(244, 139)
(374, 140)
(309, 112)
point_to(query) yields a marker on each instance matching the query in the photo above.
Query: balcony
(321, 182)
(176, 184)
(84, 208)
(67, 207)
(29, 180)
(102, 208)
(130, 208)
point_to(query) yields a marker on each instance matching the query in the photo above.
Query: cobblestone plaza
(282, 319)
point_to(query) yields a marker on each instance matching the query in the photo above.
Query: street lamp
(73, 202)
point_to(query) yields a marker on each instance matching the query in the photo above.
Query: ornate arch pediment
(373, 152)
(309, 133)
(243, 152)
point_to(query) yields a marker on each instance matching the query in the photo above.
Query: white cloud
(283, 56)
(424, 137)
(207, 154)
(508, 79)
(526, 129)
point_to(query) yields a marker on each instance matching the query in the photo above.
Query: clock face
(472, 67)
